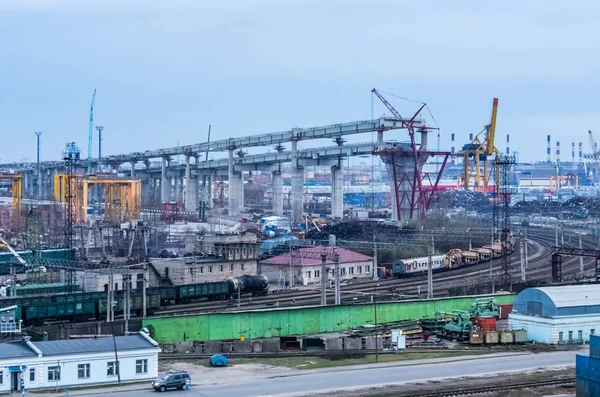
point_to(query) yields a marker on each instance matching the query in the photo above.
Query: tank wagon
(455, 258)
(256, 285)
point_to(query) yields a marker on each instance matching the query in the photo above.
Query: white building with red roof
(306, 265)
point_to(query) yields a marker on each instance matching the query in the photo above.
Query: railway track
(539, 250)
(456, 392)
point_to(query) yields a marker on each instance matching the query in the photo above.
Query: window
(308, 274)
(242, 266)
(141, 366)
(351, 270)
(580, 335)
(570, 336)
(32, 374)
(221, 268)
(592, 331)
(367, 269)
(53, 374)
(83, 371)
(191, 270)
(231, 267)
(116, 286)
(343, 271)
(317, 273)
(201, 269)
(359, 270)
(1, 377)
(560, 336)
(111, 368)
(210, 269)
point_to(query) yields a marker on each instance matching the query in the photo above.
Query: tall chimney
(507, 144)
(452, 161)
(580, 152)
(558, 151)
(573, 151)
(548, 148)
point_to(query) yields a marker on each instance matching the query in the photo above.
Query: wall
(548, 329)
(69, 369)
(299, 321)
(302, 272)
(183, 271)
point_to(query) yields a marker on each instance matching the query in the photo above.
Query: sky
(165, 70)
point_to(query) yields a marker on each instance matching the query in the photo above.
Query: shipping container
(490, 337)
(506, 337)
(520, 336)
(486, 323)
(476, 338)
(503, 311)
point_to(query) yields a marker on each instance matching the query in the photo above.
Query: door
(15, 381)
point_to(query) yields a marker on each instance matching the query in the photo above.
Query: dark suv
(172, 380)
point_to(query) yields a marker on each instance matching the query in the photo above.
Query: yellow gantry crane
(17, 193)
(476, 156)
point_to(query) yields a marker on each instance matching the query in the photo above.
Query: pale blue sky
(163, 73)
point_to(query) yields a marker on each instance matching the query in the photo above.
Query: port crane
(478, 151)
(595, 151)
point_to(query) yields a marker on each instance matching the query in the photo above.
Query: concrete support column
(379, 139)
(191, 197)
(337, 192)
(278, 193)
(297, 185)
(165, 185)
(209, 192)
(133, 169)
(187, 190)
(235, 188)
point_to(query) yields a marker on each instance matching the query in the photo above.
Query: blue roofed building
(556, 315)
(77, 362)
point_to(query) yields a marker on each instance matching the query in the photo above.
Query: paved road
(346, 378)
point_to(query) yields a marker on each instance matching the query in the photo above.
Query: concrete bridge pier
(132, 172)
(165, 182)
(297, 185)
(235, 188)
(277, 193)
(337, 192)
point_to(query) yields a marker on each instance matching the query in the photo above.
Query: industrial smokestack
(557, 151)
(573, 151)
(452, 148)
(507, 144)
(548, 148)
(580, 152)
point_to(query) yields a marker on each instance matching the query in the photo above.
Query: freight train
(49, 305)
(453, 259)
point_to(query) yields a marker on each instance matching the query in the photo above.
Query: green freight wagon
(41, 289)
(6, 258)
(206, 290)
(60, 310)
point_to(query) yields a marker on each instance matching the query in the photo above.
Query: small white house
(77, 362)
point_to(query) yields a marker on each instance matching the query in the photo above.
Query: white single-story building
(557, 315)
(77, 362)
(307, 264)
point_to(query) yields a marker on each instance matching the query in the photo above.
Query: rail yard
(202, 197)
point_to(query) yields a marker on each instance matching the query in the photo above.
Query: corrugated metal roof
(568, 300)
(92, 345)
(573, 295)
(15, 350)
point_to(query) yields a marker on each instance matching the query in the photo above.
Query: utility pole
(39, 169)
(239, 291)
(430, 269)
(323, 279)
(375, 264)
(556, 238)
(144, 304)
(127, 301)
(522, 244)
(526, 250)
(99, 128)
(376, 330)
(581, 257)
(470, 240)
(291, 266)
(336, 263)
(492, 263)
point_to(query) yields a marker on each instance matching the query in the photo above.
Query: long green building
(271, 323)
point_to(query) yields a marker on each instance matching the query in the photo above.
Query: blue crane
(91, 133)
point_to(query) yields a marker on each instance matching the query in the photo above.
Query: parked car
(172, 380)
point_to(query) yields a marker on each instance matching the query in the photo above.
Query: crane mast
(91, 134)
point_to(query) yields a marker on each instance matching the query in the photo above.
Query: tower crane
(91, 134)
(480, 151)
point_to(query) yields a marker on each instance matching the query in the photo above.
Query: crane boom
(490, 144)
(91, 133)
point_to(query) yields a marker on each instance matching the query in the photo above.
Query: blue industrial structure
(558, 315)
(587, 371)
